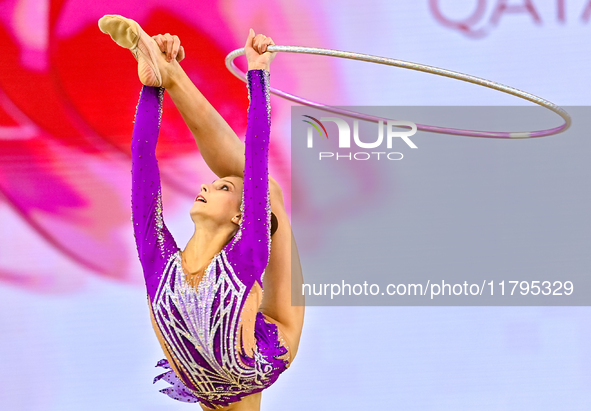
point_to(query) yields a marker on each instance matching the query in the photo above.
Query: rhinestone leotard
(200, 325)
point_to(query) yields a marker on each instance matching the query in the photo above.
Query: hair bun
(274, 223)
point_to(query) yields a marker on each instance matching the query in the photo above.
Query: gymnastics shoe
(128, 34)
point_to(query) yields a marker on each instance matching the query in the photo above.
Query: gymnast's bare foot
(152, 65)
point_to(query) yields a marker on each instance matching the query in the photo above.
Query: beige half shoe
(128, 34)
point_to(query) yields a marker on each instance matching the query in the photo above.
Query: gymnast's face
(219, 201)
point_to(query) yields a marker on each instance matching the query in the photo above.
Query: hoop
(412, 66)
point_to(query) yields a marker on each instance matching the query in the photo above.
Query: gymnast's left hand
(170, 46)
(256, 51)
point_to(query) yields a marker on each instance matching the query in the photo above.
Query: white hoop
(412, 66)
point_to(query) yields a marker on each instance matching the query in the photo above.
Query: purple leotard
(200, 325)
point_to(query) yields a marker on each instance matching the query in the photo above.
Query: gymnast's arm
(219, 145)
(252, 243)
(154, 242)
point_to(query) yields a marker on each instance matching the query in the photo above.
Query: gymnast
(223, 339)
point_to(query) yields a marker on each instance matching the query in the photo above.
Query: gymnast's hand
(171, 46)
(256, 51)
